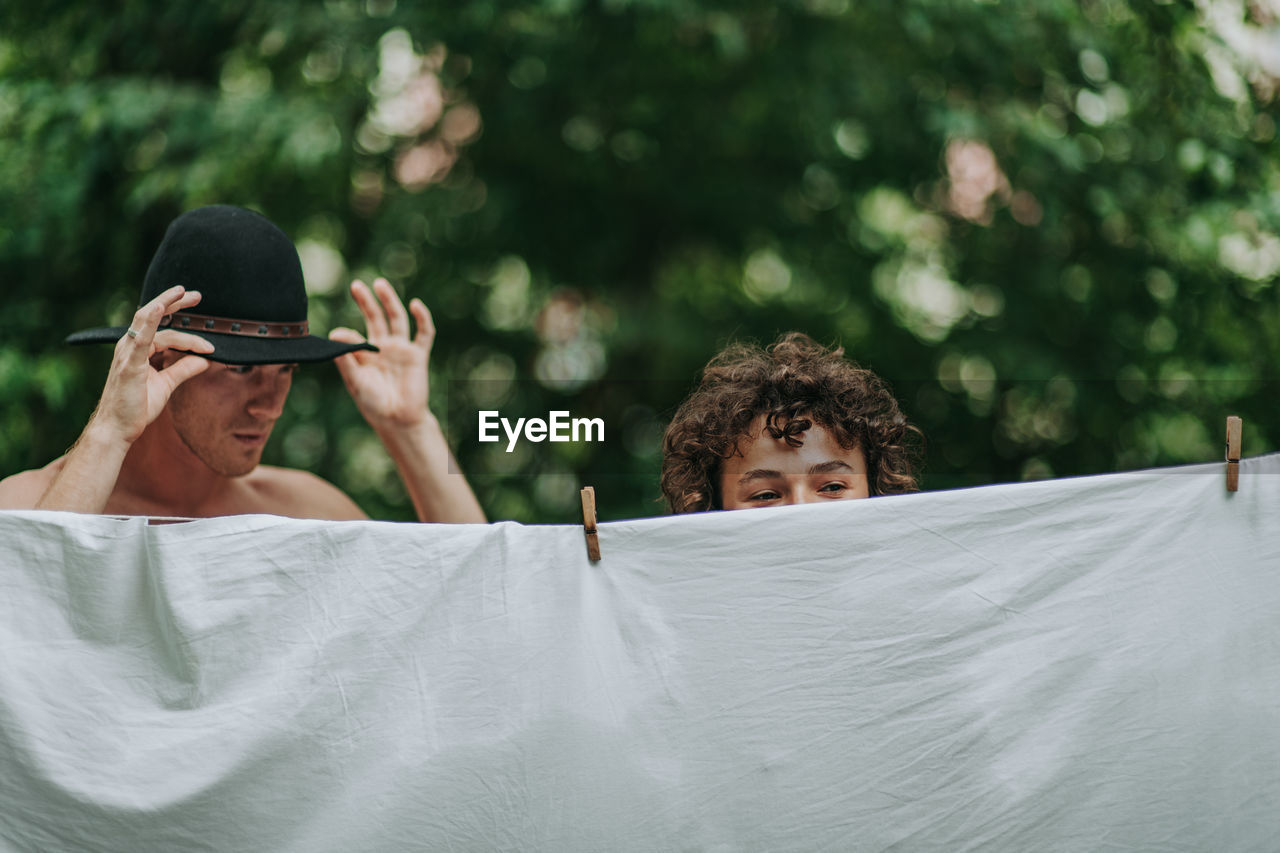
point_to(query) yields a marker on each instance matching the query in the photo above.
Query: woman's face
(770, 472)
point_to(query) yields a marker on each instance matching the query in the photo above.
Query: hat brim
(242, 349)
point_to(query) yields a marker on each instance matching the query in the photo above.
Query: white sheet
(1088, 664)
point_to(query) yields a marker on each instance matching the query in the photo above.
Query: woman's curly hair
(794, 383)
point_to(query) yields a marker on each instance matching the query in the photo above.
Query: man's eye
(289, 368)
(240, 369)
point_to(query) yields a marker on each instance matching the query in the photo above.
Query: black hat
(253, 306)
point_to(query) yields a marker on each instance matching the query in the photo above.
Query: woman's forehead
(818, 444)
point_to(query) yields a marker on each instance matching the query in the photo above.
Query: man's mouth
(251, 439)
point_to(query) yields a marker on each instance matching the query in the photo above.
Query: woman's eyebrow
(818, 468)
(760, 474)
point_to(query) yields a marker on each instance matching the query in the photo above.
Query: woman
(791, 423)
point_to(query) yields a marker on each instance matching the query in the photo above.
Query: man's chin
(227, 456)
(233, 467)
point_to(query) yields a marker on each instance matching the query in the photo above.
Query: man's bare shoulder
(24, 489)
(300, 494)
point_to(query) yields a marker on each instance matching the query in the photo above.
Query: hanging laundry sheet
(1080, 664)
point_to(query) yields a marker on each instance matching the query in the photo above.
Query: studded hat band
(225, 326)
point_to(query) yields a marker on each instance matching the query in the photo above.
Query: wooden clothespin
(589, 523)
(1235, 427)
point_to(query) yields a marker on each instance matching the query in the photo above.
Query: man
(794, 423)
(201, 375)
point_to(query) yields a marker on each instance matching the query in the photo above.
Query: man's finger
(141, 335)
(171, 300)
(398, 320)
(426, 326)
(350, 336)
(186, 300)
(173, 339)
(182, 370)
(142, 329)
(345, 335)
(347, 367)
(173, 294)
(374, 318)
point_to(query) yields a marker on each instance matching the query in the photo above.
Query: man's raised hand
(136, 391)
(389, 386)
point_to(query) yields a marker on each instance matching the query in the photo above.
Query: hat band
(226, 326)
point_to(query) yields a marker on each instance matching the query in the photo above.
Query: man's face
(770, 472)
(224, 415)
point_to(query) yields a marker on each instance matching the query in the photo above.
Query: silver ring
(133, 333)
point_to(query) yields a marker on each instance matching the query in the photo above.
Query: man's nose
(268, 397)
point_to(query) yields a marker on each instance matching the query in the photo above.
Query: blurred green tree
(1052, 226)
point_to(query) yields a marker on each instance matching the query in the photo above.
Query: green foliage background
(1051, 225)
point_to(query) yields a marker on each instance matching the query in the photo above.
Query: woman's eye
(833, 488)
(764, 496)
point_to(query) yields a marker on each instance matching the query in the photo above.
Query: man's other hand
(389, 386)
